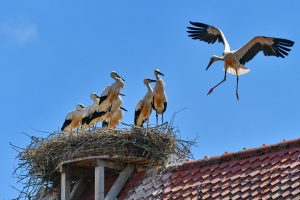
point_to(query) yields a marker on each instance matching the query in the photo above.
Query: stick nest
(39, 160)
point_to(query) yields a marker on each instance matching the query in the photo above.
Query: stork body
(89, 111)
(73, 119)
(144, 107)
(234, 60)
(115, 114)
(159, 96)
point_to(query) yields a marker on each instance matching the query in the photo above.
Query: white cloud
(20, 30)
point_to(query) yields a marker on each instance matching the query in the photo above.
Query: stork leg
(237, 87)
(212, 89)
(156, 119)
(162, 118)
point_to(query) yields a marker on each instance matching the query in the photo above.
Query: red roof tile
(267, 172)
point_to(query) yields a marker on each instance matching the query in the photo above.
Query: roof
(267, 172)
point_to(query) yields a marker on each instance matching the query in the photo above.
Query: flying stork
(144, 107)
(234, 60)
(73, 119)
(159, 97)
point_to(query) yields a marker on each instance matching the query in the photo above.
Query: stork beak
(120, 77)
(123, 109)
(160, 73)
(152, 81)
(209, 64)
(122, 94)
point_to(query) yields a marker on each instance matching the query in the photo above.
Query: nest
(38, 162)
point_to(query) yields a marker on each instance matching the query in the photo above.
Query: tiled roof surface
(268, 172)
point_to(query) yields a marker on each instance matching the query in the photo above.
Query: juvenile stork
(234, 60)
(159, 96)
(73, 119)
(89, 111)
(144, 107)
(115, 114)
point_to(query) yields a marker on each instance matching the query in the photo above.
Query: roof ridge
(245, 153)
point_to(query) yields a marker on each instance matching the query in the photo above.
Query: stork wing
(137, 111)
(270, 46)
(207, 33)
(67, 122)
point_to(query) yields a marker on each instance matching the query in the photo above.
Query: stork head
(115, 75)
(212, 60)
(93, 96)
(148, 80)
(79, 107)
(157, 72)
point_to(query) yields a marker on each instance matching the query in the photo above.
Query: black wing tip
(199, 24)
(284, 42)
(136, 115)
(66, 123)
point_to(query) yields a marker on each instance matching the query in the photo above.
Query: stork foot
(210, 91)
(237, 96)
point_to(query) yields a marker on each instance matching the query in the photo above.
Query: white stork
(144, 107)
(73, 119)
(89, 111)
(115, 114)
(109, 94)
(159, 96)
(234, 60)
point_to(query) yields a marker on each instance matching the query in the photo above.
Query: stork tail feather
(242, 70)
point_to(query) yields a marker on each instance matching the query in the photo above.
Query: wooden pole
(99, 180)
(119, 183)
(65, 184)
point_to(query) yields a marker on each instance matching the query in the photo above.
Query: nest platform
(41, 162)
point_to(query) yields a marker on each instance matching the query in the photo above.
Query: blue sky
(55, 53)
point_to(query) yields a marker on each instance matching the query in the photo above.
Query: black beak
(152, 81)
(120, 77)
(209, 64)
(160, 73)
(122, 94)
(123, 109)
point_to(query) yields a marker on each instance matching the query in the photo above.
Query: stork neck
(149, 88)
(218, 58)
(157, 76)
(96, 101)
(119, 81)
